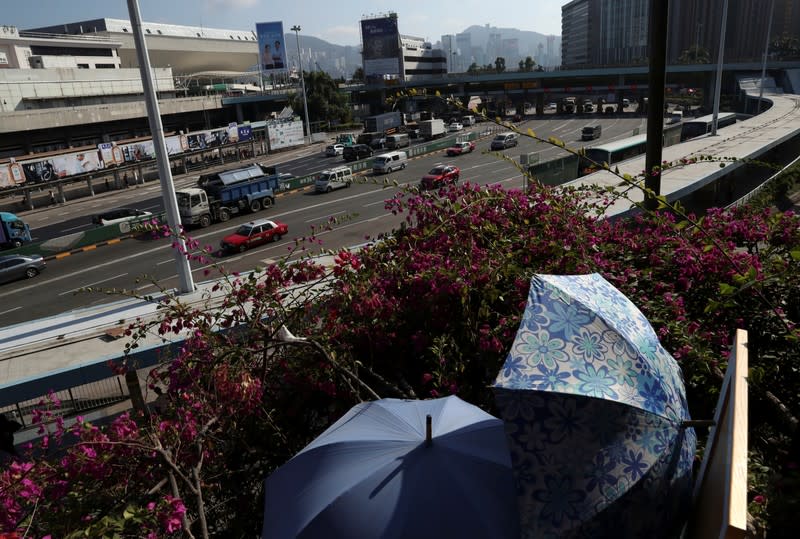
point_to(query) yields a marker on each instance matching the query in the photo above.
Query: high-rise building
(450, 49)
(575, 30)
(695, 28)
(464, 46)
(615, 32)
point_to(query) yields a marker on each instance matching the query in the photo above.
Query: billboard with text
(380, 48)
(271, 49)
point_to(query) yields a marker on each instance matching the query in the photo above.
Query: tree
(527, 65)
(358, 74)
(473, 68)
(500, 64)
(325, 102)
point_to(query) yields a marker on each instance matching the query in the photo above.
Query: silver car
(13, 267)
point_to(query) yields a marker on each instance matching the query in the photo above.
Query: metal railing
(79, 37)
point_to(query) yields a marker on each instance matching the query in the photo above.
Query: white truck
(431, 129)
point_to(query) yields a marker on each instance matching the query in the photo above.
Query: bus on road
(611, 153)
(702, 126)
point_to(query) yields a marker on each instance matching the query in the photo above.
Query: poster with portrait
(271, 48)
(73, 164)
(380, 47)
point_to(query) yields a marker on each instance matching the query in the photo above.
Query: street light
(296, 29)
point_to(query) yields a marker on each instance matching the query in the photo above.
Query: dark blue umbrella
(594, 409)
(398, 469)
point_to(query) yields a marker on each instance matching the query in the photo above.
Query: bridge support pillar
(90, 186)
(28, 200)
(62, 198)
(539, 104)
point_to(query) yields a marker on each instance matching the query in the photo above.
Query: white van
(328, 180)
(398, 140)
(468, 120)
(388, 162)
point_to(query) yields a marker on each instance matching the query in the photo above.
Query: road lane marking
(76, 227)
(10, 310)
(92, 284)
(325, 217)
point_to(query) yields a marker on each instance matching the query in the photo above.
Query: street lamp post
(160, 147)
(296, 29)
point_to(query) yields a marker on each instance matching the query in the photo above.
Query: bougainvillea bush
(427, 310)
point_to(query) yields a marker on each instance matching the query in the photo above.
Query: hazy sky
(335, 21)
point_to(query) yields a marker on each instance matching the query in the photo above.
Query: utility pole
(296, 29)
(656, 80)
(162, 157)
(766, 53)
(718, 87)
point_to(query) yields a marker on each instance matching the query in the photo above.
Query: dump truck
(14, 232)
(224, 194)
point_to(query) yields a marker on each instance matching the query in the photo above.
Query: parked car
(356, 152)
(13, 267)
(334, 150)
(440, 175)
(254, 233)
(455, 126)
(503, 141)
(552, 106)
(119, 215)
(460, 147)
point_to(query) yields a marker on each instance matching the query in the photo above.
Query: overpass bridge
(69, 353)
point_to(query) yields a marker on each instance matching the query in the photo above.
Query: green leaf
(726, 290)
(128, 513)
(795, 254)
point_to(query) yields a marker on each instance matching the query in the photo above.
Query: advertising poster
(285, 133)
(39, 171)
(72, 164)
(381, 47)
(6, 179)
(139, 151)
(175, 145)
(233, 132)
(245, 132)
(271, 49)
(196, 141)
(107, 154)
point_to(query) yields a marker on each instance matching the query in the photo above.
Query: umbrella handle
(428, 430)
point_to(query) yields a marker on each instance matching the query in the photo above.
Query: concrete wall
(21, 88)
(31, 120)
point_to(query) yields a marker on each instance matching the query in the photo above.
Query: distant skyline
(335, 22)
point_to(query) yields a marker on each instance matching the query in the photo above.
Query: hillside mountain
(336, 60)
(343, 60)
(528, 42)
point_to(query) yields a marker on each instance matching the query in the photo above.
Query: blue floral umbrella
(594, 409)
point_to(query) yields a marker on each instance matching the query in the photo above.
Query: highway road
(136, 264)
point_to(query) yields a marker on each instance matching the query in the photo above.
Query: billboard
(284, 133)
(271, 49)
(380, 47)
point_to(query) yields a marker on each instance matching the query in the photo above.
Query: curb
(92, 247)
